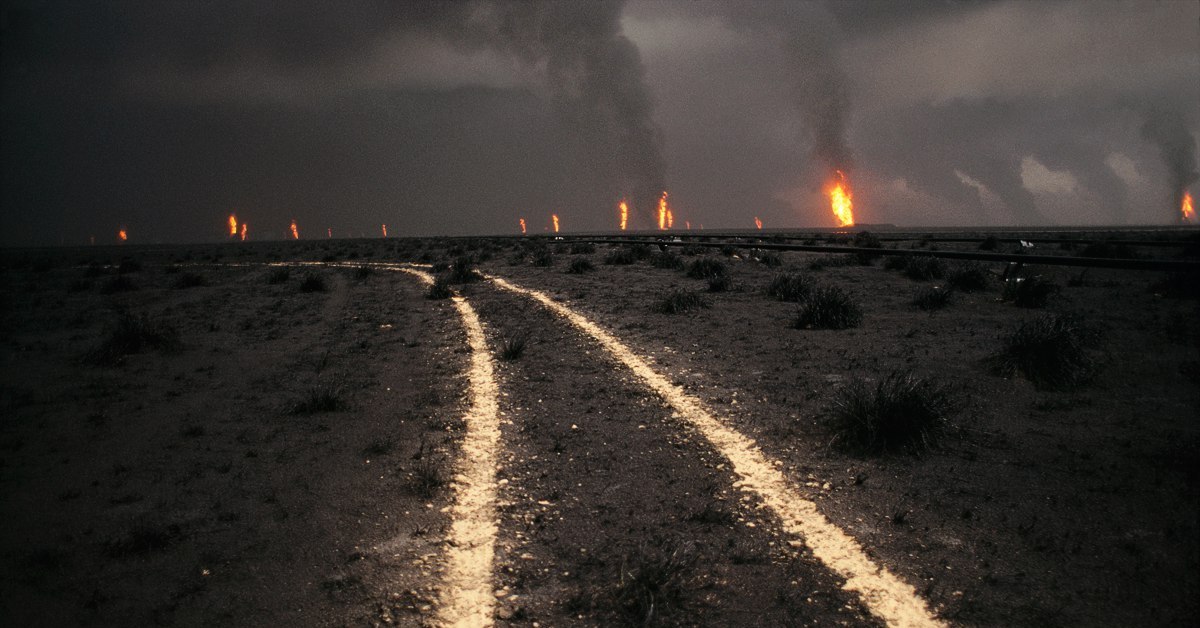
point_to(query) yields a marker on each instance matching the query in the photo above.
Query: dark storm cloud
(459, 117)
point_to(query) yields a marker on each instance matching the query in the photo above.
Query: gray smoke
(1169, 132)
(595, 77)
(821, 94)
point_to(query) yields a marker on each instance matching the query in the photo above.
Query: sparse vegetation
(190, 280)
(706, 267)
(134, 334)
(278, 275)
(680, 301)
(652, 585)
(720, 283)
(320, 398)
(897, 262)
(512, 346)
(625, 255)
(1029, 292)
(440, 288)
(312, 282)
(770, 259)
(426, 478)
(580, 265)
(969, 277)
(900, 412)
(930, 298)
(1053, 352)
(463, 270)
(990, 243)
(924, 268)
(582, 248)
(361, 273)
(666, 259)
(543, 257)
(828, 307)
(789, 286)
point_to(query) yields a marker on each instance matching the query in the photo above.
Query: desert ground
(544, 432)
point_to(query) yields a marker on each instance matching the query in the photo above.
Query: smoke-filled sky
(461, 117)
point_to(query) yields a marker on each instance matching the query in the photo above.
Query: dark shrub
(666, 259)
(320, 398)
(440, 288)
(1029, 292)
(1052, 352)
(463, 270)
(720, 283)
(1110, 250)
(680, 301)
(866, 240)
(932, 298)
(190, 280)
(513, 346)
(770, 259)
(362, 272)
(828, 307)
(652, 584)
(621, 256)
(692, 250)
(582, 248)
(789, 286)
(278, 275)
(897, 262)
(924, 268)
(706, 267)
(134, 334)
(990, 243)
(312, 282)
(969, 277)
(542, 257)
(580, 265)
(899, 413)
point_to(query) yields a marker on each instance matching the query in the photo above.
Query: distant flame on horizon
(664, 213)
(624, 207)
(122, 235)
(245, 226)
(1187, 212)
(295, 231)
(233, 225)
(522, 220)
(758, 222)
(385, 230)
(554, 217)
(841, 201)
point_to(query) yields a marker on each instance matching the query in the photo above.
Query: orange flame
(329, 232)
(232, 225)
(385, 231)
(122, 234)
(663, 212)
(757, 222)
(1186, 212)
(295, 231)
(688, 224)
(554, 217)
(244, 227)
(624, 214)
(522, 225)
(841, 201)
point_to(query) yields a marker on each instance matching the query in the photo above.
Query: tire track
(466, 598)
(887, 597)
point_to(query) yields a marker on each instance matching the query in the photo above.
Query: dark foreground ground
(277, 451)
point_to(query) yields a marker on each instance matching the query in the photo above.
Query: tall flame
(663, 212)
(687, 224)
(122, 235)
(295, 231)
(244, 227)
(841, 201)
(385, 230)
(329, 232)
(554, 217)
(232, 225)
(522, 225)
(624, 207)
(1186, 211)
(757, 222)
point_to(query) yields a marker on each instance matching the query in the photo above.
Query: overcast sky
(461, 118)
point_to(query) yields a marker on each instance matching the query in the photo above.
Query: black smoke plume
(1169, 132)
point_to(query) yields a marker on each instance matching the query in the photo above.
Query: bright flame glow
(554, 217)
(841, 201)
(244, 227)
(522, 225)
(385, 231)
(295, 231)
(1186, 211)
(688, 224)
(663, 212)
(624, 214)
(122, 234)
(232, 225)
(329, 232)
(757, 222)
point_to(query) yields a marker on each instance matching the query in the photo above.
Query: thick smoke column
(821, 93)
(595, 77)
(1178, 148)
